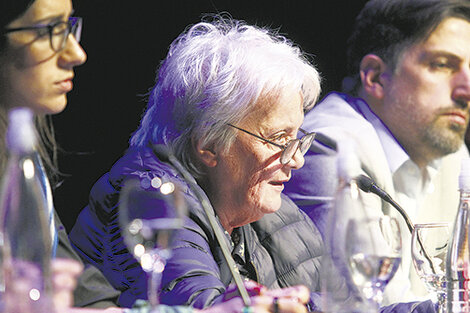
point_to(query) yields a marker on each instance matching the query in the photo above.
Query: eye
(439, 64)
(280, 138)
(443, 64)
(59, 28)
(42, 31)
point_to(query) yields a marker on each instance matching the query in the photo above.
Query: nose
(461, 91)
(73, 54)
(297, 160)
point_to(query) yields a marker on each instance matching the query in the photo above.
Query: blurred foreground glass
(373, 252)
(429, 243)
(149, 216)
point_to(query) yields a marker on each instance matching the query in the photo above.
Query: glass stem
(154, 284)
(375, 300)
(441, 302)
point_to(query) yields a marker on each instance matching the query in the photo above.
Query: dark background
(125, 42)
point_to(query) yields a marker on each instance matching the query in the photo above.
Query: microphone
(366, 184)
(165, 155)
(326, 141)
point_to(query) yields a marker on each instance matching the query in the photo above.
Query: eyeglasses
(290, 148)
(58, 31)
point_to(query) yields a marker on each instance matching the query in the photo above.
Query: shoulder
(340, 116)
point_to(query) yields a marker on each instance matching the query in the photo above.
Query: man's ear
(206, 155)
(372, 70)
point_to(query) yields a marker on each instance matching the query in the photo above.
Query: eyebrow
(53, 18)
(441, 53)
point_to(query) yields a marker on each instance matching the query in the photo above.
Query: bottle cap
(347, 161)
(21, 136)
(464, 177)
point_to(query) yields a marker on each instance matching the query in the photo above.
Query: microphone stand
(163, 153)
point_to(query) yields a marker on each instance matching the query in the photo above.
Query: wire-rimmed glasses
(290, 148)
(58, 31)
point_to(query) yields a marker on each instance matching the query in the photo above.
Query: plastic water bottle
(25, 238)
(458, 257)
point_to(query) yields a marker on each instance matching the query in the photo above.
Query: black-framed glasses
(290, 148)
(58, 31)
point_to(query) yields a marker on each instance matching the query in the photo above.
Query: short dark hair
(387, 27)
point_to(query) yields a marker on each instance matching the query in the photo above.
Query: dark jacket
(284, 248)
(92, 290)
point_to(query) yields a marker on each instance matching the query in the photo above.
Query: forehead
(282, 111)
(42, 11)
(452, 33)
(451, 37)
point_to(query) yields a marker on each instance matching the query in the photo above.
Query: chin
(55, 107)
(273, 206)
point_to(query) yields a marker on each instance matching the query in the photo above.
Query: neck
(422, 158)
(225, 221)
(222, 212)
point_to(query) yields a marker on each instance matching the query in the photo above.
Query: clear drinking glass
(373, 252)
(429, 244)
(149, 215)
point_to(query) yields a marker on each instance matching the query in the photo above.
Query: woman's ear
(206, 155)
(372, 70)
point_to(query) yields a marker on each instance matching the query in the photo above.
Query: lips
(278, 184)
(457, 117)
(65, 85)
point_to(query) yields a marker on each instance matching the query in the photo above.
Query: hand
(22, 276)
(290, 300)
(298, 293)
(64, 280)
(259, 304)
(82, 310)
(414, 307)
(252, 287)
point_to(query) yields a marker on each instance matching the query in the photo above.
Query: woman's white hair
(214, 73)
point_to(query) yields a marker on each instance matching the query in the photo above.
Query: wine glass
(373, 252)
(149, 214)
(429, 244)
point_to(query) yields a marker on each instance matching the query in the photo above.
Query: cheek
(31, 96)
(423, 89)
(262, 194)
(41, 95)
(260, 171)
(28, 80)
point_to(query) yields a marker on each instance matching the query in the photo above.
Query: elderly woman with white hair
(228, 103)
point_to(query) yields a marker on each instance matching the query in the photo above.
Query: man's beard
(444, 140)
